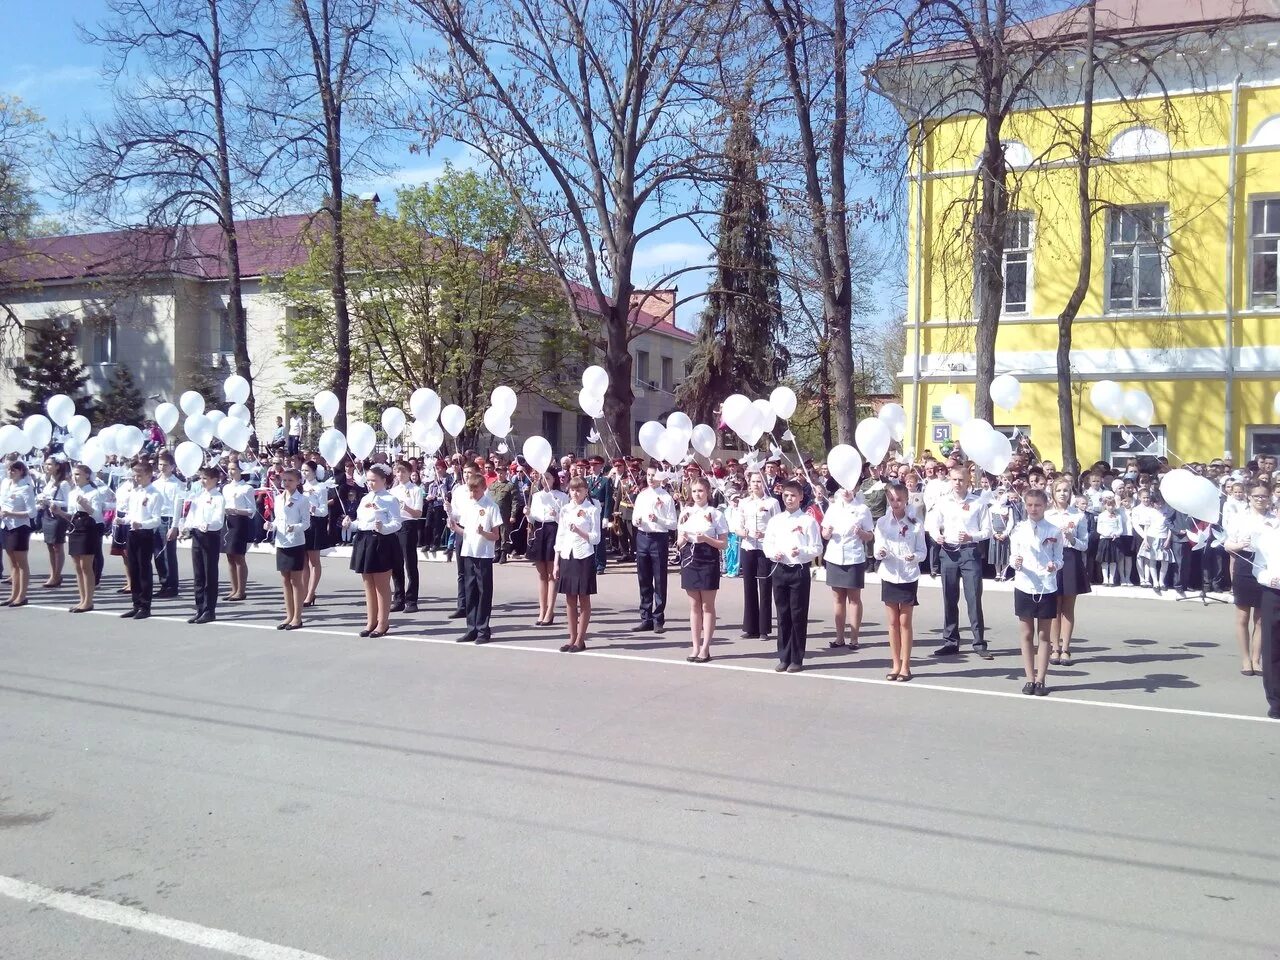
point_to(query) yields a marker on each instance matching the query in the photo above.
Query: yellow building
(1183, 297)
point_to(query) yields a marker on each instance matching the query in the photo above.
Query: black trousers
(651, 571)
(141, 547)
(98, 562)
(462, 576)
(404, 575)
(478, 575)
(166, 557)
(757, 593)
(962, 565)
(206, 549)
(1269, 612)
(791, 596)
(934, 562)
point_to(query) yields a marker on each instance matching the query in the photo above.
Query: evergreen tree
(740, 345)
(52, 366)
(122, 402)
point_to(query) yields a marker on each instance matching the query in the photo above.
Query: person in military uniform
(600, 490)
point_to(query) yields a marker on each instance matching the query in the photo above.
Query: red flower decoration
(684, 517)
(708, 518)
(965, 507)
(1048, 540)
(582, 513)
(797, 530)
(903, 531)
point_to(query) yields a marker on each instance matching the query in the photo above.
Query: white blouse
(702, 521)
(239, 496)
(585, 516)
(1078, 539)
(318, 493)
(474, 516)
(410, 497)
(902, 543)
(88, 500)
(754, 514)
(844, 520)
(545, 506)
(1112, 525)
(292, 519)
(206, 513)
(55, 493)
(1039, 545)
(17, 498)
(378, 507)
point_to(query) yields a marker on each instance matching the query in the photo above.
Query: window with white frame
(101, 339)
(1264, 252)
(1262, 440)
(1017, 262)
(1122, 442)
(1137, 253)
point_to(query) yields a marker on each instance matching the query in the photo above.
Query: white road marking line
(810, 673)
(132, 918)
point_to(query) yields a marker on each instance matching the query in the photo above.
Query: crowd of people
(766, 521)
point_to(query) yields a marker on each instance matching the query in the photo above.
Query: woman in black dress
(577, 533)
(543, 518)
(17, 513)
(701, 534)
(53, 500)
(376, 548)
(83, 515)
(1244, 529)
(291, 522)
(317, 492)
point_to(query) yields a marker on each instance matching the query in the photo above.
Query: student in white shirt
(203, 524)
(240, 510)
(1073, 572)
(961, 527)
(52, 498)
(792, 541)
(753, 514)
(577, 534)
(847, 527)
(543, 518)
(701, 535)
(173, 497)
(655, 518)
(1154, 539)
(143, 516)
(1111, 524)
(375, 551)
(17, 513)
(291, 519)
(1266, 568)
(1243, 530)
(404, 575)
(295, 434)
(83, 513)
(1036, 548)
(900, 547)
(478, 524)
(317, 491)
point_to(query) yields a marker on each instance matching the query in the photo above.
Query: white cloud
(31, 80)
(671, 255)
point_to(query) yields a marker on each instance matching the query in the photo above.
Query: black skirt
(1073, 578)
(374, 552)
(317, 537)
(1245, 589)
(235, 535)
(846, 576)
(542, 541)
(1108, 549)
(18, 540)
(578, 577)
(1028, 606)
(900, 593)
(291, 559)
(80, 540)
(54, 530)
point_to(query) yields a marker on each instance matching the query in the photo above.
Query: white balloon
(199, 429)
(783, 402)
(453, 418)
(497, 422)
(425, 404)
(592, 404)
(1006, 391)
(974, 437)
(765, 415)
(235, 434)
(215, 417)
(1191, 494)
(538, 452)
(166, 417)
(79, 427)
(93, 455)
(107, 437)
(188, 458)
(428, 435)
(673, 445)
(845, 464)
(129, 441)
(704, 439)
(1107, 397)
(393, 421)
(680, 421)
(1275, 404)
(650, 433)
(749, 427)
(38, 428)
(895, 418)
(872, 438)
(596, 379)
(361, 439)
(192, 403)
(734, 409)
(956, 409)
(333, 446)
(235, 388)
(1138, 408)
(72, 448)
(240, 412)
(999, 453)
(503, 398)
(326, 404)
(11, 439)
(61, 408)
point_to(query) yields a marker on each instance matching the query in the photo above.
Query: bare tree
(20, 131)
(593, 114)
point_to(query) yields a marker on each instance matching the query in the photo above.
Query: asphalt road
(182, 792)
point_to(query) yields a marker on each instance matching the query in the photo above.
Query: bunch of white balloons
(752, 419)
(671, 442)
(1192, 494)
(1119, 405)
(595, 382)
(502, 404)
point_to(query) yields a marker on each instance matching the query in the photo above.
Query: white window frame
(1027, 253)
(1251, 434)
(105, 331)
(1133, 307)
(1152, 441)
(1271, 299)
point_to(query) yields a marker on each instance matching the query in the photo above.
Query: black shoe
(457, 615)
(166, 595)
(794, 668)
(1041, 689)
(142, 614)
(659, 626)
(1028, 688)
(947, 650)
(748, 636)
(643, 626)
(983, 652)
(467, 637)
(780, 668)
(206, 618)
(398, 607)
(1273, 713)
(485, 639)
(410, 608)
(127, 615)
(193, 620)
(298, 626)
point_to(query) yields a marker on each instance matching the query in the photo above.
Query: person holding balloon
(1036, 548)
(317, 492)
(83, 515)
(404, 575)
(291, 520)
(577, 533)
(701, 534)
(240, 509)
(205, 517)
(655, 518)
(376, 548)
(847, 527)
(899, 545)
(142, 511)
(753, 515)
(544, 518)
(961, 526)
(1073, 573)
(792, 541)
(17, 513)
(53, 500)
(478, 524)
(1244, 529)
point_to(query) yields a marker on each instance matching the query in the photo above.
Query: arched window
(1016, 153)
(1268, 132)
(1139, 142)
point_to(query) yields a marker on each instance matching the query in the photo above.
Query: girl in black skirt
(53, 500)
(240, 510)
(376, 548)
(291, 521)
(577, 533)
(17, 513)
(1244, 529)
(847, 527)
(317, 493)
(1073, 574)
(1036, 548)
(900, 547)
(701, 534)
(543, 517)
(83, 515)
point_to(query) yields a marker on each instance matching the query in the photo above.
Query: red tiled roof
(268, 246)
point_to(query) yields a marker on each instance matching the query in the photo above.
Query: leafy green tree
(739, 347)
(450, 292)
(122, 402)
(52, 366)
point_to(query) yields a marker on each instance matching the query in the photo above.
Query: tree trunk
(841, 288)
(617, 363)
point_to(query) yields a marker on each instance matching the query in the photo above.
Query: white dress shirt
(792, 531)
(754, 514)
(473, 516)
(143, 507)
(410, 496)
(55, 492)
(121, 495)
(949, 516)
(19, 498)
(375, 507)
(844, 520)
(1038, 544)
(292, 519)
(585, 516)
(318, 493)
(238, 495)
(172, 495)
(705, 521)
(657, 503)
(1079, 539)
(902, 541)
(545, 506)
(1266, 557)
(88, 500)
(1111, 525)
(1245, 529)
(207, 512)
